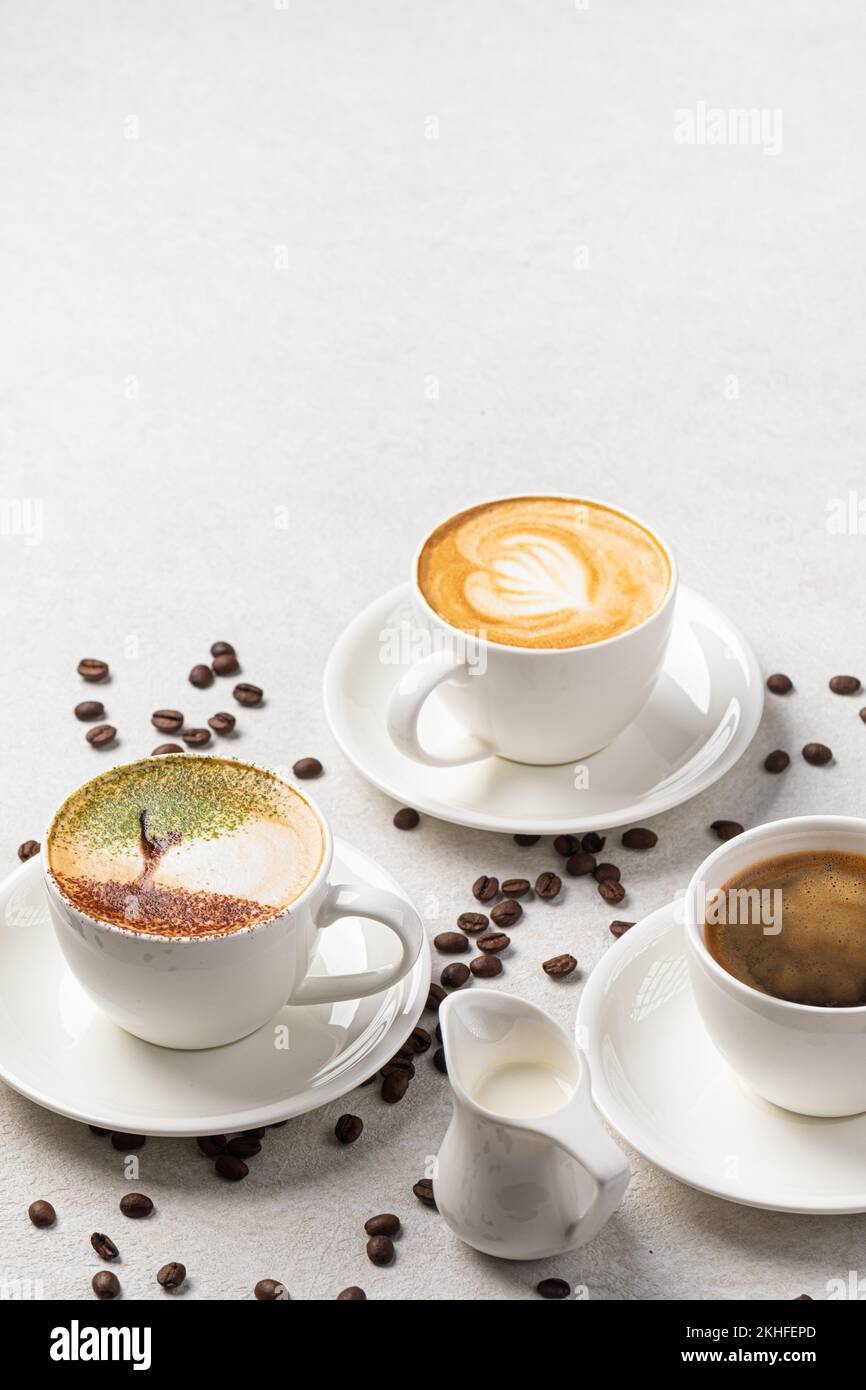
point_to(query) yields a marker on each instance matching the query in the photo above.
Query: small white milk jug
(526, 1169)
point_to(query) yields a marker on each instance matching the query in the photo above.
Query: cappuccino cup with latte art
(548, 620)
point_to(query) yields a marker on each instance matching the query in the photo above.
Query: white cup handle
(578, 1131)
(352, 900)
(407, 702)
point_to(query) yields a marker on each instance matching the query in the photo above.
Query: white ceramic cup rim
(485, 642)
(205, 939)
(764, 835)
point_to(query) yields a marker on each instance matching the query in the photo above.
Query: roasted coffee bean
(89, 709)
(455, 975)
(247, 694)
(559, 966)
(619, 929)
(387, 1224)
(606, 873)
(201, 676)
(222, 649)
(101, 735)
(168, 721)
(92, 670)
(124, 1143)
(435, 995)
(95, 1129)
(547, 885)
(516, 887)
(506, 914)
(486, 967)
(406, 818)
(42, 1213)
(485, 889)
(352, 1295)
(553, 1288)
(225, 664)
(380, 1250)
(401, 1065)
(395, 1086)
(196, 738)
(818, 754)
(777, 761)
(105, 1284)
(423, 1190)
(473, 921)
(244, 1147)
(439, 1061)
(592, 843)
(863, 714)
(611, 890)
(581, 863)
(349, 1128)
(493, 941)
(450, 943)
(166, 748)
(419, 1040)
(845, 685)
(212, 1145)
(222, 723)
(104, 1246)
(803, 1298)
(271, 1291)
(727, 829)
(136, 1205)
(779, 684)
(258, 1133)
(306, 768)
(526, 840)
(231, 1168)
(566, 845)
(640, 838)
(172, 1275)
(28, 848)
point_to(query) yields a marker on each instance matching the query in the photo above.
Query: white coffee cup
(529, 704)
(201, 991)
(800, 1056)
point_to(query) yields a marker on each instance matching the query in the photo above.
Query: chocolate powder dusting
(144, 906)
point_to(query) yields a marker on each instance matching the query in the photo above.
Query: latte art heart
(543, 572)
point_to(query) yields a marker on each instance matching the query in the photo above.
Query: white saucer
(658, 1080)
(57, 1049)
(699, 720)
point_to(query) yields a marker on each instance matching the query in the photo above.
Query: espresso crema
(543, 572)
(185, 846)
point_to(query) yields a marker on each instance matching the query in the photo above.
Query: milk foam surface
(543, 572)
(185, 846)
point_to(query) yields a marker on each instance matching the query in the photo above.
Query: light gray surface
(226, 448)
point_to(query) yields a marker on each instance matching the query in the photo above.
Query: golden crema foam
(183, 846)
(543, 572)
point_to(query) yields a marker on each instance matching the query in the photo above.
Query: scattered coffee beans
(605, 873)
(845, 685)
(456, 975)
(101, 735)
(306, 768)
(222, 722)
(553, 1288)
(777, 761)
(396, 1084)
(547, 885)
(168, 721)
(247, 694)
(451, 943)
(581, 863)
(419, 1040)
(385, 1225)
(486, 967)
(196, 738)
(473, 921)
(270, 1291)
(485, 889)
(201, 676)
(231, 1168)
(95, 1129)
(225, 664)
(439, 1061)
(423, 1190)
(611, 890)
(166, 748)
(380, 1250)
(244, 1146)
(124, 1143)
(42, 1213)
(349, 1128)
(592, 843)
(136, 1205)
(28, 848)
(863, 714)
(526, 840)
(566, 845)
(640, 838)
(559, 966)
(516, 887)
(779, 684)
(105, 1284)
(507, 913)
(493, 941)
(172, 1275)
(104, 1246)
(726, 829)
(212, 1145)
(406, 818)
(89, 709)
(92, 670)
(352, 1295)
(435, 995)
(619, 929)
(222, 649)
(818, 754)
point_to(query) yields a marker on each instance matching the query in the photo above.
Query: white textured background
(260, 331)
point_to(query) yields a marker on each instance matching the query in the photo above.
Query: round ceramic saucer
(699, 720)
(57, 1048)
(660, 1083)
